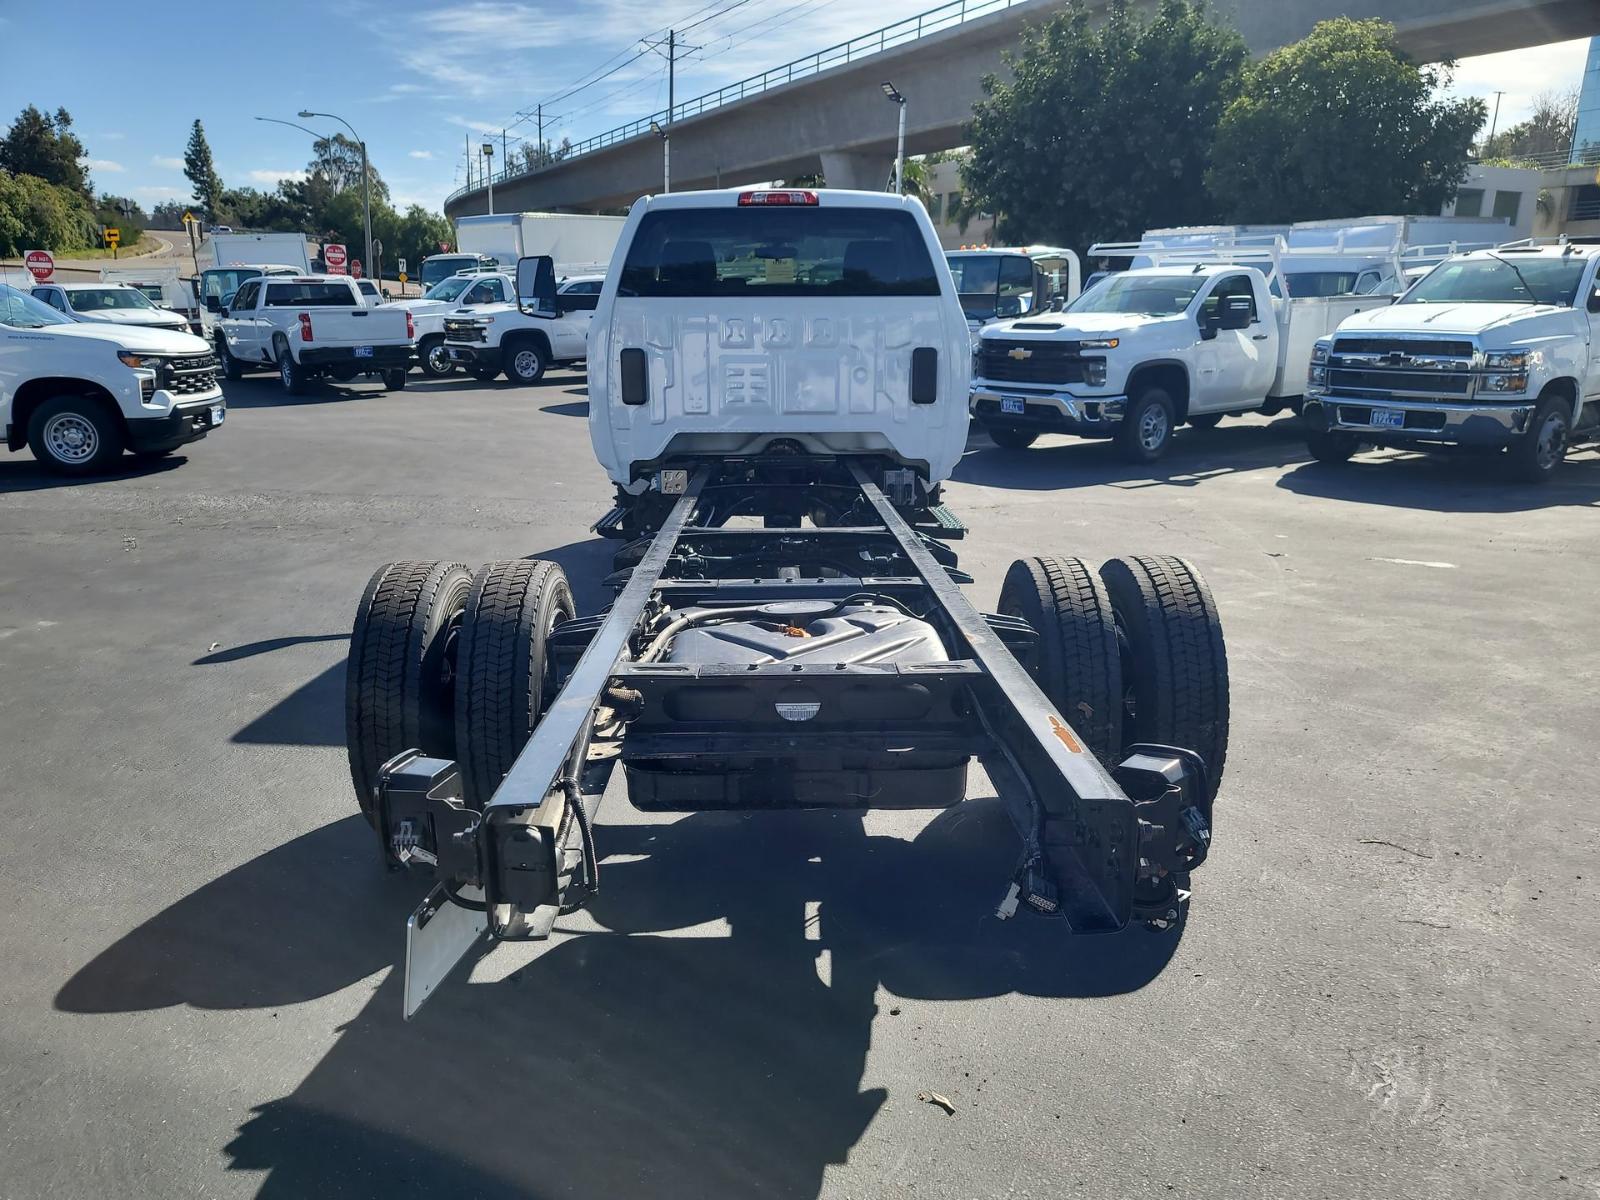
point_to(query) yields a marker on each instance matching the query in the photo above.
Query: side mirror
(1235, 313)
(536, 281)
(221, 310)
(213, 304)
(1208, 326)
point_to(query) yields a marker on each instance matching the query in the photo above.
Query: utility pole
(469, 162)
(1494, 120)
(539, 111)
(666, 140)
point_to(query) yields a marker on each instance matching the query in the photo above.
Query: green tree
(1104, 130)
(1340, 123)
(1549, 130)
(43, 145)
(202, 172)
(121, 212)
(338, 160)
(168, 215)
(37, 215)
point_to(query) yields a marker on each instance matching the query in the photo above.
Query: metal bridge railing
(934, 20)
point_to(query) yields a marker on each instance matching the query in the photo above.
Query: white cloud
(1521, 75)
(111, 137)
(421, 154)
(162, 160)
(271, 177)
(103, 164)
(475, 126)
(156, 193)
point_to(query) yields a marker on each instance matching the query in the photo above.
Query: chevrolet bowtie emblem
(1019, 353)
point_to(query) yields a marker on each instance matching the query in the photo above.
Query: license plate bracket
(218, 415)
(438, 934)
(1389, 418)
(363, 351)
(1012, 406)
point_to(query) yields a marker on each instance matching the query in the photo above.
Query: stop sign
(355, 268)
(40, 264)
(334, 256)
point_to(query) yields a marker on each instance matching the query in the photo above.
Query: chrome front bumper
(1425, 420)
(1046, 408)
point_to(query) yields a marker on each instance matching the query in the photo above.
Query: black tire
(1174, 661)
(75, 435)
(1331, 446)
(430, 354)
(526, 361)
(484, 374)
(296, 379)
(398, 690)
(1205, 420)
(503, 678)
(1146, 429)
(1010, 437)
(232, 368)
(1536, 456)
(394, 380)
(1079, 668)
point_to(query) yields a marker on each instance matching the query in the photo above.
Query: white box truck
(239, 249)
(573, 241)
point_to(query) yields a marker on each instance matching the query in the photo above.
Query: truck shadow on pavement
(27, 475)
(1195, 456)
(1446, 483)
(709, 1038)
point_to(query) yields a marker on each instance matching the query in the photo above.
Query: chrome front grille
(1030, 361)
(465, 331)
(1378, 368)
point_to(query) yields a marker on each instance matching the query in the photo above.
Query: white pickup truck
(520, 339)
(471, 289)
(1497, 350)
(306, 326)
(1195, 337)
(78, 393)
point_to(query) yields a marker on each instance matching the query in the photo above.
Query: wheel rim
(437, 362)
(285, 372)
(526, 364)
(1551, 447)
(71, 438)
(1153, 427)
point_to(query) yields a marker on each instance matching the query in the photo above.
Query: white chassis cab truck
(778, 388)
(78, 393)
(999, 283)
(1198, 335)
(307, 326)
(1496, 351)
(523, 340)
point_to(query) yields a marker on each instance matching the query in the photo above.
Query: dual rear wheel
(1131, 653)
(451, 662)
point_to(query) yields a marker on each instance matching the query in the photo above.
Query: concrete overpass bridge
(826, 112)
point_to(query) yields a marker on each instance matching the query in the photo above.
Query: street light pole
(366, 175)
(666, 154)
(488, 172)
(894, 95)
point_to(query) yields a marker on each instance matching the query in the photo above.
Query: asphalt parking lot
(1387, 985)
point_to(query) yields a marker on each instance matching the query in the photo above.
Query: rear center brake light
(746, 199)
(305, 327)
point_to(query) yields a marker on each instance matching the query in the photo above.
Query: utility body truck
(1196, 336)
(78, 393)
(308, 326)
(1496, 351)
(778, 384)
(574, 241)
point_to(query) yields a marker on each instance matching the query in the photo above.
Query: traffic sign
(402, 276)
(402, 268)
(355, 267)
(40, 265)
(333, 255)
(113, 236)
(189, 218)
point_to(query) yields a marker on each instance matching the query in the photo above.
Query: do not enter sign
(40, 265)
(334, 256)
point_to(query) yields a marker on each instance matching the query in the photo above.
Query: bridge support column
(859, 172)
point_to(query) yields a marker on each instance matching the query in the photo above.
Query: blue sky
(417, 79)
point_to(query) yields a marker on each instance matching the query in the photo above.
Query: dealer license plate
(218, 414)
(1012, 405)
(1389, 418)
(363, 351)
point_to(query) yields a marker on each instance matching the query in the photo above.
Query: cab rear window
(330, 295)
(820, 251)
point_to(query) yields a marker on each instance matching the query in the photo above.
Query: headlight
(1319, 353)
(1094, 371)
(1507, 382)
(1506, 360)
(129, 358)
(1100, 344)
